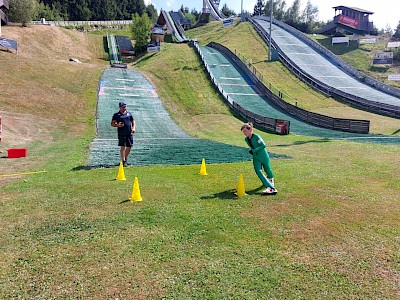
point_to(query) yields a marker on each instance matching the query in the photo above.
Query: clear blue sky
(386, 12)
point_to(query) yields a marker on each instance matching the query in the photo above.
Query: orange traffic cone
(240, 188)
(136, 191)
(203, 170)
(121, 173)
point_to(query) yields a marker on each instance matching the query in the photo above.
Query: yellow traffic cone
(136, 191)
(240, 189)
(203, 170)
(121, 173)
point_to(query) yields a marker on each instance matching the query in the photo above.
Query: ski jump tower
(211, 7)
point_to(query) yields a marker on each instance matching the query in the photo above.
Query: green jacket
(258, 146)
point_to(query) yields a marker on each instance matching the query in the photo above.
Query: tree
(22, 11)
(137, 6)
(195, 13)
(46, 12)
(310, 13)
(292, 15)
(396, 34)
(140, 29)
(227, 11)
(184, 10)
(152, 12)
(278, 9)
(259, 8)
(78, 10)
(388, 30)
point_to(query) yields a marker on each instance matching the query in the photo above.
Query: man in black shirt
(126, 125)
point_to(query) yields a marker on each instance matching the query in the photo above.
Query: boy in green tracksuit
(260, 158)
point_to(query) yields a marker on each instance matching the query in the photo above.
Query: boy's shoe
(269, 191)
(124, 163)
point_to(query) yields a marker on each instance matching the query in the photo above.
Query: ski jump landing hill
(251, 100)
(173, 26)
(211, 6)
(326, 72)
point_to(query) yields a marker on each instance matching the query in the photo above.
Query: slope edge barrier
(271, 125)
(339, 62)
(348, 125)
(361, 103)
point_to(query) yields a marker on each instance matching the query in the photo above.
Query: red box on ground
(17, 152)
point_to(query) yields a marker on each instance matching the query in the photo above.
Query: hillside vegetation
(44, 97)
(69, 233)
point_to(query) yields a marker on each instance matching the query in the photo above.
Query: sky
(386, 12)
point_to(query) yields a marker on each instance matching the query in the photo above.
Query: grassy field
(332, 232)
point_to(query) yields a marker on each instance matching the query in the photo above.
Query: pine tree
(396, 34)
(259, 8)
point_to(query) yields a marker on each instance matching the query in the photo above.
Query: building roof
(340, 7)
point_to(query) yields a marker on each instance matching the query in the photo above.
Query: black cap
(122, 104)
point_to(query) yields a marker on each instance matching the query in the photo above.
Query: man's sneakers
(125, 163)
(269, 191)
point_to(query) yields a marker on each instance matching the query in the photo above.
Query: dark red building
(349, 19)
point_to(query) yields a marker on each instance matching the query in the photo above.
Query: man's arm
(133, 126)
(114, 123)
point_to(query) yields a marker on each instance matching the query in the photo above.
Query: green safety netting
(158, 139)
(242, 90)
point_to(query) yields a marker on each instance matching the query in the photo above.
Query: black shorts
(125, 140)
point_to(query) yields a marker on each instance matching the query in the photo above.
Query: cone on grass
(136, 191)
(121, 173)
(240, 188)
(203, 170)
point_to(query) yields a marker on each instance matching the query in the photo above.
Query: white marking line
(129, 95)
(223, 65)
(229, 78)
(128, 89)
(332, 76)
(243, 94)
(212, 53)
(122, 79)
(350, 87)
(311, 65)
(236, 84)
(298, 53)
(133, 95)
(305, 46)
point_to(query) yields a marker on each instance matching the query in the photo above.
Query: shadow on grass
(231, 194)
(379, 69)
(224, 195)
(304, 142)
(124, 201)
(396, 132)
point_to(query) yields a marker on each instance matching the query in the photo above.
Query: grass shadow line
(224, 195)
(297, 143)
